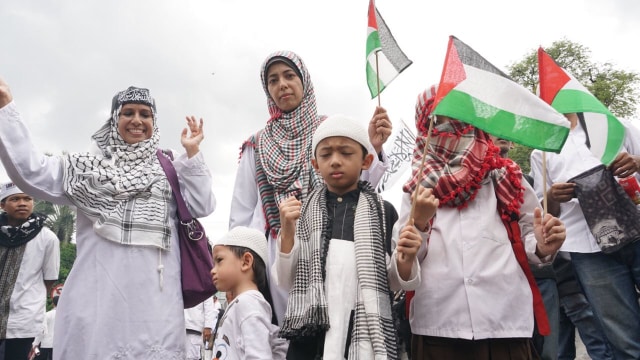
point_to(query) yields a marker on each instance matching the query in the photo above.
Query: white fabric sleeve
(35, 173)
(376, 171)
(255, 337)
(395, 281)
(527, 229)
(283, 271)
(245, 191)
(38, 339)
(210, 315)
(195, 184)
(51, 263)
(632, 138)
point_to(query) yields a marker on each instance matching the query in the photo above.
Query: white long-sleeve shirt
(201, 316)
(246, 332)
(574, 159)
(45, 338)
(472, 286)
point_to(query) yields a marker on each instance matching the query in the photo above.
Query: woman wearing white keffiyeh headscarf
(275, 162)
(123, 297)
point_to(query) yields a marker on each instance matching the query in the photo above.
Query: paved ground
(581, 352)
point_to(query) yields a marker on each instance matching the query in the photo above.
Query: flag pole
(378, 77)
(544, 183)
(378, 83)
(420, 170)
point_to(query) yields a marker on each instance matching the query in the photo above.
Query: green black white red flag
(605, 133)
(474, 91)
(385, 59)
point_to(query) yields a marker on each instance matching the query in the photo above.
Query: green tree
(615, 88)
(61, 219)
(67, 257)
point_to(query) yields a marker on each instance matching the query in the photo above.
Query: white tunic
(246, 210)
(27, 305)
(472, 286)
(45, 339)
(112, 306)
(246, 332)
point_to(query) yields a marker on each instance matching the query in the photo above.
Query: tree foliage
(61, 219)
(67, 257)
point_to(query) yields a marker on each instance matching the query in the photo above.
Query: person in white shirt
(199, 322)
(609, 281)
(275, 162)
(477, 295)
(216, 304)
(29, 265)
(245, 330)
(43, 343)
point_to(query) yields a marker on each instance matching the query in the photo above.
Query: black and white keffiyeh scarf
(124, 189)
(307, 308)
(13, 243)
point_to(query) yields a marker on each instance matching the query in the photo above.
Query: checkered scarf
(283, 147)
(124, 189)
(307, 314)
(459, 157)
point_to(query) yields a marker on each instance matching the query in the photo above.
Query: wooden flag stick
(420, 170)
(378, 78)
(544, 183)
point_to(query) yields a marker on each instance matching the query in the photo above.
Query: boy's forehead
(337, 141)
(18, 195)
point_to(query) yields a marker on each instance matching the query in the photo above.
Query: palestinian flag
(474, 91)
(391, 61)
(605, 133)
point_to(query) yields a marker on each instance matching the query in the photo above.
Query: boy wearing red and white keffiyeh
(475, 300)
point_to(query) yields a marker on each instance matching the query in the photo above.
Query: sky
(64, 60)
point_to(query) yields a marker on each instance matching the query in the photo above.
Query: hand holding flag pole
(378, 84)
(544, 184)
(420, 170)
(414, 196)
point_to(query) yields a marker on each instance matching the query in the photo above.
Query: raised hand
(193, 136)
(379, 128)
(5, 93)
(426, 205)
(289, 214)
(550, 233)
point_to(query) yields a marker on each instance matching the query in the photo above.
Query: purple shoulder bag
(195, 258)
